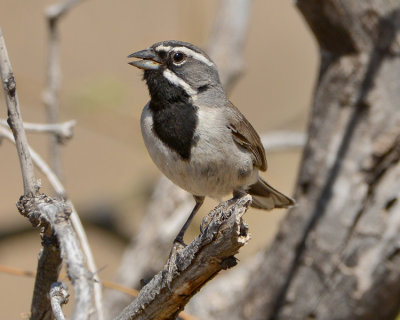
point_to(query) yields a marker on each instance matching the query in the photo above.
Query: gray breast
(217, 164)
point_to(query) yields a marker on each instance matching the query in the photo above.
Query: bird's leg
(207, 219)
(178, 242)
(179, 237)
(236, 195)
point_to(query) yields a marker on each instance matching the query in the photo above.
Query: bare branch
(63, 130)
(283, 140)
(80, 231)
(51, 93)
(47, 273)
(58, 296)
(213, 301)
(227, 37)
(49, 262)
(43, 211)
(53, 216)
(51, 101)
(15, 120)
(336, 254)
(161, 222)
(55, 11)
(149, 249)
(223, 233)
(40, 163)
(77, 224)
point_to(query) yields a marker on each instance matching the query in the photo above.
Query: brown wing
(244, 134)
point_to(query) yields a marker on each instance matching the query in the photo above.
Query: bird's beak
(149, 59)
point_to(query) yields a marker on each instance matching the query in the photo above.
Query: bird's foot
(220, 209)
(171, 266)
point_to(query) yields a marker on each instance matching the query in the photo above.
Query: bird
(197, 138)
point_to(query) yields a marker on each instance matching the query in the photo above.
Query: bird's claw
(171, 266)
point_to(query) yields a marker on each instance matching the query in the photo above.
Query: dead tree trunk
(337, 254)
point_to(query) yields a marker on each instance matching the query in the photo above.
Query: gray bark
(223, 233)
(336, 255)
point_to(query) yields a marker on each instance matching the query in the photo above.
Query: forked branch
(49, 214)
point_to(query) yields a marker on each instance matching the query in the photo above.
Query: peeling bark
(336, 255)
(223, 233)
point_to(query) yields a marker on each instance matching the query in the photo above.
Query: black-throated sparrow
(194, 134)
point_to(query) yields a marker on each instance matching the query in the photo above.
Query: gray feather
(267, 197)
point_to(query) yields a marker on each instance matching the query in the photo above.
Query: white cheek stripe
(187, 51)
(175, 80)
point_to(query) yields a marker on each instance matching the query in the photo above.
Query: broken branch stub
(222, 235)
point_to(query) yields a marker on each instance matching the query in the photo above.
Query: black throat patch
(174, 116)
(175, 125)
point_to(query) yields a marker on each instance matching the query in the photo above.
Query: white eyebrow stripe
(187, 51)
(175, 80)
(162, 47)
(193, 54)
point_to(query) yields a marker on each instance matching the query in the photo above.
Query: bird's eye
(178, 57)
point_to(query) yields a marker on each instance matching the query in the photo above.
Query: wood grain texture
(223, 233)
(336, 254)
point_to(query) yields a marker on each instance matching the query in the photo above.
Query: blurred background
(106, 170)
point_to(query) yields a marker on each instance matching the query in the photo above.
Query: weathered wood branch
(52, 217)
(40, 164)
(50, 214)
(51, 99)
(336, 254)
(283, 140)
(162, 220)
(215, 299)
(148, 250)
(54, 13)
(63, 131)
(223, 233)
(15, 121)
(47, 273)
(227, 39)
(74, 217)
(58, 296)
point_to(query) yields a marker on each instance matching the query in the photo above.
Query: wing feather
(244, 134)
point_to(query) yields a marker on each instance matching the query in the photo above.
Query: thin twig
(107, 284)
(41, 210)
(227, 38)
(63, 131)
(58, 296)
(283, 140)
(80, 231)
(55, 11)
(40, 163)
(76, 222)
(15, 121)
(51, 100)
(31, 274)
(51, 92)
(52, 217)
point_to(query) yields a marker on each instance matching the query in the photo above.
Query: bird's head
(176, 70)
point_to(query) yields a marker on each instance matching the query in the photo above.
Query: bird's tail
(267, 198)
